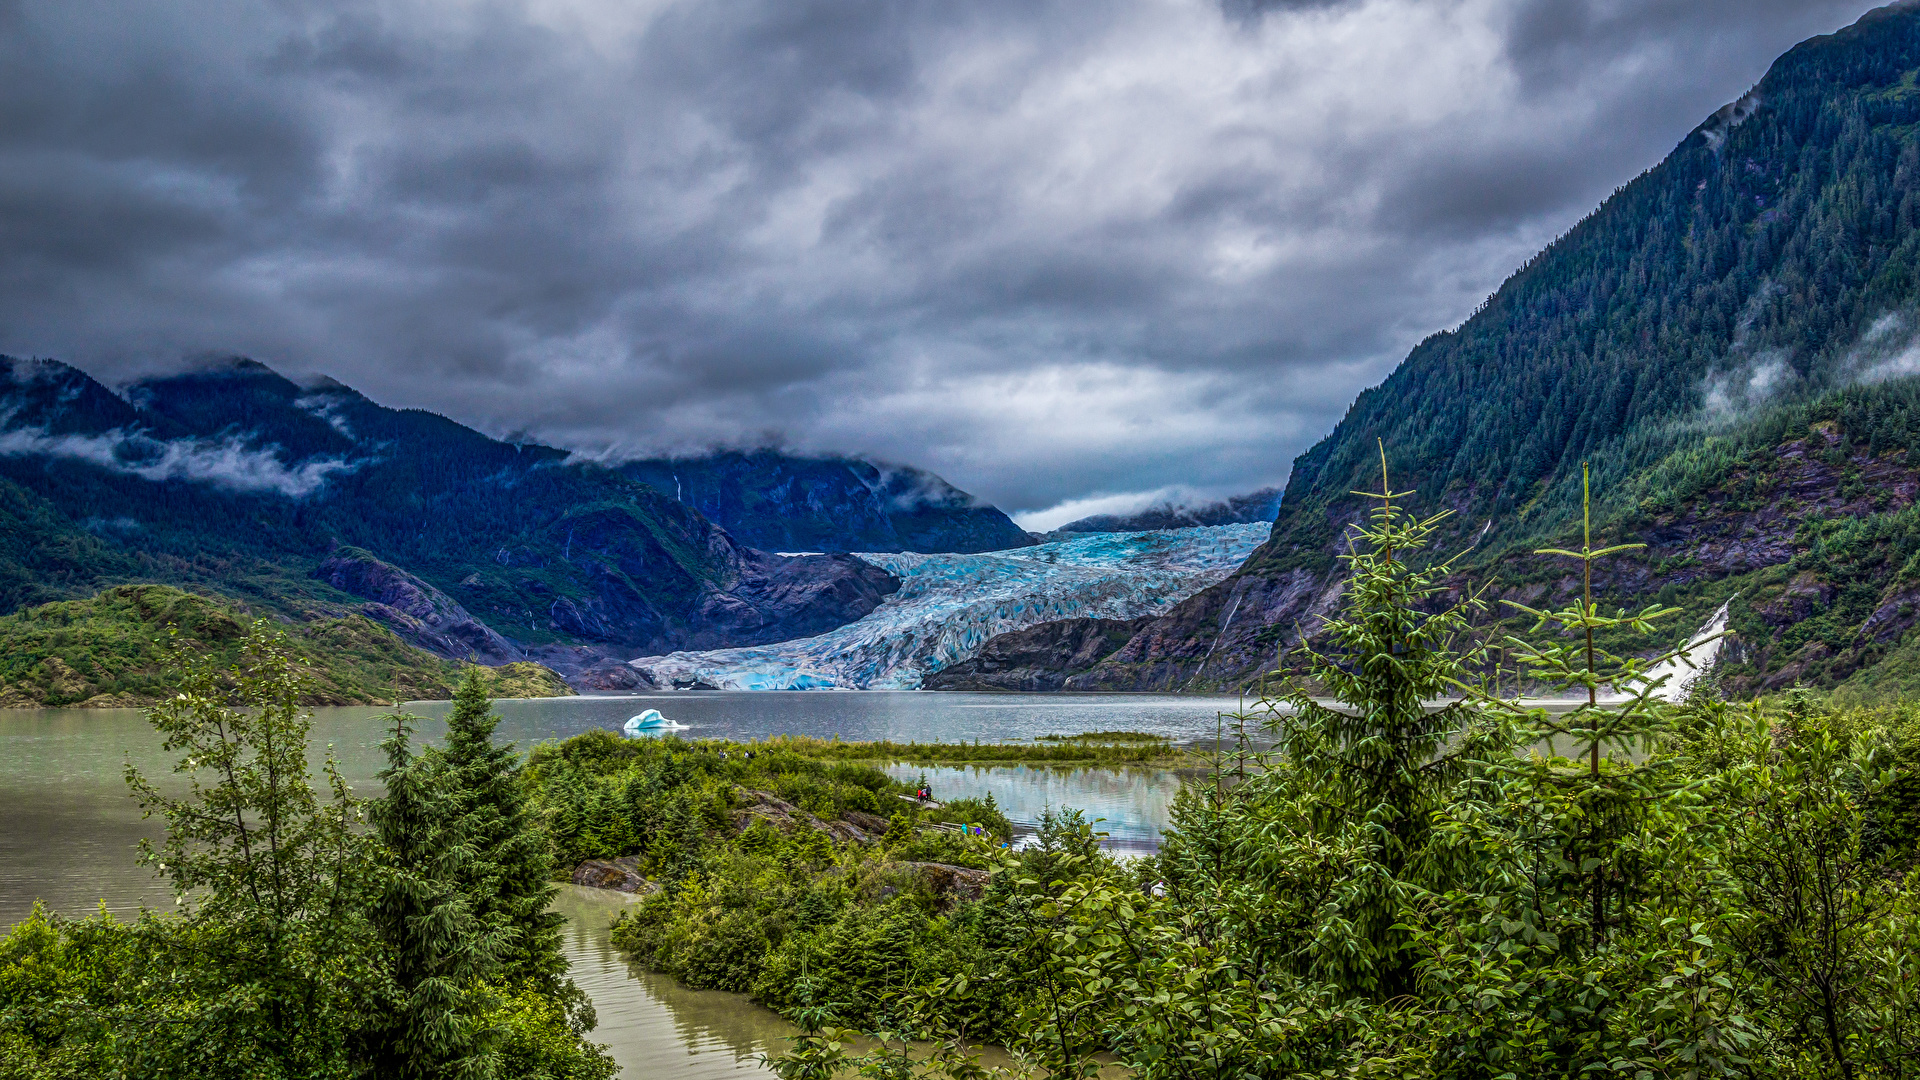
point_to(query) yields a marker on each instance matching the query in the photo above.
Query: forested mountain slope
(235, 479)
(782, 502)
(1728, 341)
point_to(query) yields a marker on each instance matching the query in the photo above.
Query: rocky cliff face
(420, 614)
(1223, 637)
(747, 597)
(1038, 658)
(781, 502)
(1809, 541)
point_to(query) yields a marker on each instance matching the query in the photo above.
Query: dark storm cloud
(1055, 251)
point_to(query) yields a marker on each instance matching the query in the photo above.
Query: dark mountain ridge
(234, 479)
(782, 502)
(1726, 340)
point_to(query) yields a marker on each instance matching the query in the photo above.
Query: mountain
(1262, 505)
(949, 605)
(779, 502)
(234, 479)
(1729, 341)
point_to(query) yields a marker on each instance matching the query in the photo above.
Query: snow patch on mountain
(949, 605)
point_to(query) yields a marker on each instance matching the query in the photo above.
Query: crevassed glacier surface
(949, 605)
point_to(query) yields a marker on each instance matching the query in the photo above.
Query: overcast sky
(1060, 253)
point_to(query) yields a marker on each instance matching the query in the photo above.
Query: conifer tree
(440, 950)
(1599, 807)
(1375, 766)
(513, 864)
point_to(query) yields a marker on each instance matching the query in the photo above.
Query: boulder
(620, 875)
(960, 882)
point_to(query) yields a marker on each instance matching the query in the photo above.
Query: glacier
(949, 605)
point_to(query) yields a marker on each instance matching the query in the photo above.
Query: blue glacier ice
(949, 605)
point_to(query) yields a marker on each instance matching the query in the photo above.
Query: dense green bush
(781, 911)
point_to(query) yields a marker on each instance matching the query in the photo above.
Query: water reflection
(1134, 803)
(652, 1025)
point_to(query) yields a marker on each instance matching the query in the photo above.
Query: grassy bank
(1074, 750)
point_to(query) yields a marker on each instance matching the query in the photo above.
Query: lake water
(68, 829)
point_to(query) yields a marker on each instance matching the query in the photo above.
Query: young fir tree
(1544, 960)
(513, 865)
(440, 950)
(1372, 769)
(1598, 809)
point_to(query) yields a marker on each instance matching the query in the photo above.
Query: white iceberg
(651, 720)
(949, 605)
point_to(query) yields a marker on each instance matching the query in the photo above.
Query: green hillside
(110, 650)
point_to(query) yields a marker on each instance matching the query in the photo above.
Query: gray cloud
(228, 463)
(1052, 251)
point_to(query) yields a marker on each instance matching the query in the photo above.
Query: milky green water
(68, 829)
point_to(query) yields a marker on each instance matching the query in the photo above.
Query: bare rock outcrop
(1220, 636)
(959, 882)
(1038, 657)
(620, 875)
(420, 614)
(852, 827)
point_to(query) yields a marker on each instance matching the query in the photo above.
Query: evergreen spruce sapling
(513, 878)
(1602, 806)
(1375, 767)
(1549, 959)
(441, 950)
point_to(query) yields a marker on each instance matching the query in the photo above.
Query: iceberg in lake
(650, 720)
(949, 605)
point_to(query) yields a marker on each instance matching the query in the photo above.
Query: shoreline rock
(619, 875)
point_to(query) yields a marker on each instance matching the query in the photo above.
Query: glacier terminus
(949, 605)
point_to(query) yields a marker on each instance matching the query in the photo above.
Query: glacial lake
(68, 829)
